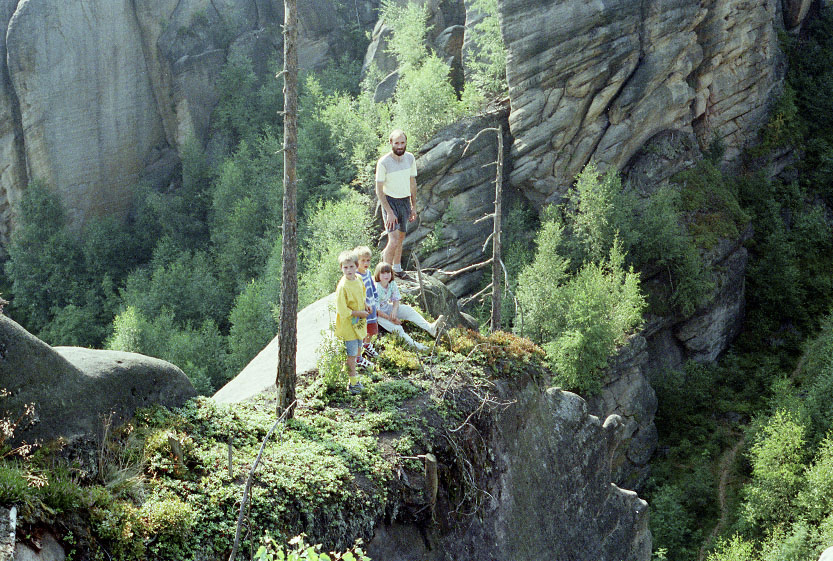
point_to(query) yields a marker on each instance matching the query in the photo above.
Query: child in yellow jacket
(351, 314)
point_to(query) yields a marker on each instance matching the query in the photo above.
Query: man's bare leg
(393, 250)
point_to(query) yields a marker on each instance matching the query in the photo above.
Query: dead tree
(288, 316)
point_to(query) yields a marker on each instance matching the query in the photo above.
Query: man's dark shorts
(401, 210)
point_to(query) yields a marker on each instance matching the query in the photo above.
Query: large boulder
(456, 188)
(73, 390)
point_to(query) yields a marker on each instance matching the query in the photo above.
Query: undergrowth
(168, 485)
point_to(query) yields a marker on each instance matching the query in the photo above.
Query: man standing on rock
(396, 191)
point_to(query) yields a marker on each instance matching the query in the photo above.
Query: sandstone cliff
(96, 96)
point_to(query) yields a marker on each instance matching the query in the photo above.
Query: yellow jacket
(350, 296)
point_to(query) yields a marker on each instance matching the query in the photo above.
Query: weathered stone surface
(598, 80)
(627, 392)
(550, 492)
(795, 11)
(87, 111)
(454, 190)
(711, 330)
(49, 550)
(97, 96)
(74, 389)
(8, 527)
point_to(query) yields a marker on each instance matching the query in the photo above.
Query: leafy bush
(332, 228)
(777, 456)
(486, 61)
(201, 353)
(183, 282)
(45, 264)
(580, 319)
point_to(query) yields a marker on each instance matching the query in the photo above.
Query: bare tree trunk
(496, 242)
(288, 340)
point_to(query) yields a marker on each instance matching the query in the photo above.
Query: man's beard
(399, 151)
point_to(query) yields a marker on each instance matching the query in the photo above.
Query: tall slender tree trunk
(496, 241)
(288, 340)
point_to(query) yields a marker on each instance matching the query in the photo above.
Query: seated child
(364, 254)
(351, 314)
(391, 313)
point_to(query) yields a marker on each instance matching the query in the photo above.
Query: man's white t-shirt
(396, 176)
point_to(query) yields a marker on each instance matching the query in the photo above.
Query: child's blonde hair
(348, 255)
(362, 251)
(382, 267)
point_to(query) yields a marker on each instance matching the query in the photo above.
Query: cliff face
(597, 80)
(96, 96)
(549, 489)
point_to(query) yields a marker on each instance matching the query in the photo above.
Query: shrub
(45, 264)
(246, 211)
(734, 549)
(777, 457)
(486, 61)
(332, 228)
(581, 319)
(183, 282)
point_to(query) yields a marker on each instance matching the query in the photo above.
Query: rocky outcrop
(97, 96)
(549, 491)
(595, 81)
(72, 390)
(456, 188)
(314, 325)
(626, 392)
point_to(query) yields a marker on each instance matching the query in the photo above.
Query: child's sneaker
(356, 388)
(362, 362)
(370, 350)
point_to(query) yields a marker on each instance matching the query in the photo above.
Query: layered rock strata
(596, 80)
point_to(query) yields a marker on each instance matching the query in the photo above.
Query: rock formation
(550, 491)
(457, 188)
(97, 96)
(73, 390)
(596, 81)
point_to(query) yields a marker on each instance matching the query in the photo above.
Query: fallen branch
(466, 269)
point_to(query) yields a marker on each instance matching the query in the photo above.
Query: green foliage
(331, 363)
(182, 215)
(410, 30)
(246, 211)
(247, 106)
(183, 282)
(252, 323)
(581, 318)
(486, 67)
(596, 310)
(777, 457)
(712, 203)
(538, 282)
(424, 100)
(816, 497)
(735, 549)
(200, 352)
(332, 228)
(672, 521)
(44, 261)
(297, 550)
